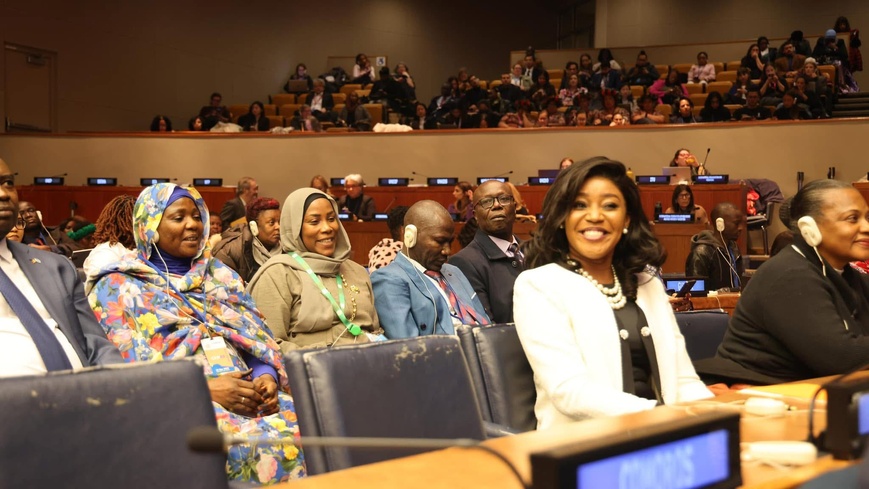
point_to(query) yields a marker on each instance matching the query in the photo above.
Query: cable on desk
(504, 459)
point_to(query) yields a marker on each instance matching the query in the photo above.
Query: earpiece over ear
(156, 237)
(39, 215)
(719, 225)
(410, 233)
(809, 230)
(254, 229)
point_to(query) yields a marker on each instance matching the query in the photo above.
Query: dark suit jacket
(247, 120)
(613, 80)
(491, 274)
(232, 210)
(57, 284)
(328, 103)
(366, 208)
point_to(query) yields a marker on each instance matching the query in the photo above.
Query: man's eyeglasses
(20, 223)
(489, 202)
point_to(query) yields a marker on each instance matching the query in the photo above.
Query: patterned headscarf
(149, 318)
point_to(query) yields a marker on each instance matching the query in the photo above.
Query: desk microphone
(419, 175)
(61, 175)
(211, 440)
(503, 174)
(703, 165)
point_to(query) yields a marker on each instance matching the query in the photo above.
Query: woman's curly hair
(115, 224)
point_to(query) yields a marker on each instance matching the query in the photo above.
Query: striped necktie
(465, 313)
(514, 250)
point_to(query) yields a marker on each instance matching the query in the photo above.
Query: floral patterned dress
(152, 316)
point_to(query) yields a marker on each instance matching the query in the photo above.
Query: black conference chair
(503, 379)
(410, 388)
(111, 427)
(703, 332)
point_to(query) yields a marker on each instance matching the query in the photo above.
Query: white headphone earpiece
(254, 228)
(719, 225)
(156, 237)
(809, 229)
(410, 233)
(39, 215)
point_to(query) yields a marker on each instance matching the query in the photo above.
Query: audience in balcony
(439, 105)
(789, 63)
(801, 45)
(609, 106)
(571, 68)
(305, 120)
(195, 124)
(255, 119)
(586, 69)
(702, 71)
(808, 99)
(605, 58)
(388, 91)
(685, 113)
(531, 70)
(321, 101)
(772, 88)
(508, 91)
(402, 76)
(606, 77)
(161, 123)
(517, 79)
(354, 115)
(818, 83)
(647, 112)
(752, 110)
(714, 110)
(669, 90)
(363, 73)
(620, 118)
(739, 91)
(421, 121)
(214, 112)
(753, 61)
(642, 73)
(855, 59)
(766, 53)
(541, 91)
(569, 92)
(301, 73)
(789, 109)
(625, 98)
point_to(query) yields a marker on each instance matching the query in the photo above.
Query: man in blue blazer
(419, 293)
(46, 323)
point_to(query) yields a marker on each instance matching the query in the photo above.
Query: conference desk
(726, 302)
(56, 202)
(472, 468)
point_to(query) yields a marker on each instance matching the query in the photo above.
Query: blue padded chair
(109, 427)
(503, 379)
(409, 388)
(703, 332)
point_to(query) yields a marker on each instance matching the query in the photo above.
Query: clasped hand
(241, 396)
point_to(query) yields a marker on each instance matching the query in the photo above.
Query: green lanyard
(354, 329)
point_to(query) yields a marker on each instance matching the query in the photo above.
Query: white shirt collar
(503, 244)
(5, 252)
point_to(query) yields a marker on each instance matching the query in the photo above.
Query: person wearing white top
(51, 286)
(593, 319)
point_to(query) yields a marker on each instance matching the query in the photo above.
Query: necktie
(466, 315)
(46, 342)
(514, 249)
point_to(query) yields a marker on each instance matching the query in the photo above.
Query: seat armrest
(494, 430)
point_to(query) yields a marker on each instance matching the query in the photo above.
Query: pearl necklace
(613, 294)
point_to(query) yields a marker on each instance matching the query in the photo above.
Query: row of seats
(483, 375)
(281, 117)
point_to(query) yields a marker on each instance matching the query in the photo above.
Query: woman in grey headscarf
(313, 295)
(246, 247)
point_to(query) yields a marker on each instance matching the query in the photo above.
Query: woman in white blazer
(593, 318)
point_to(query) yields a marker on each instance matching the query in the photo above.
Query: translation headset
(39, 216)
(410, 235)
(719, 226)
(812, 235)
(254, 228)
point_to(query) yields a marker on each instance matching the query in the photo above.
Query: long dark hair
(635, 251)
(674, 202)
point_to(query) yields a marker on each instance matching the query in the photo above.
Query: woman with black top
(255, 119)
(714, 109)
(805, 312)
(753, 61)
(592, 316)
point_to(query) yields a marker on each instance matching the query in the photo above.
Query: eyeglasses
(489, 202)
(20, 223)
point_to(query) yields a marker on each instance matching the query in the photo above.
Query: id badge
(217, 355)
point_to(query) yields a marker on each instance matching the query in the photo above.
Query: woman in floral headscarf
(172, 300)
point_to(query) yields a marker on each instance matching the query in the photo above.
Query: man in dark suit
(45, 321)
(360, 206)
(321, 102)
(492, 261)
(235, 210)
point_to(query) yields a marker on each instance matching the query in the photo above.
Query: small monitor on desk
(653, 180)
(719, 179)
(674, 285)
(442, 181)
(699, 451)
(675, 218)
(482, 180)
(678, 174)
(541, 180)
(393, 182)
(47, 180)
(100, 181)
(344, 216)
(207, 182)
(152, 181)
(380, 216)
